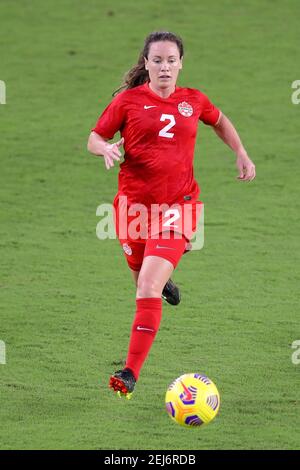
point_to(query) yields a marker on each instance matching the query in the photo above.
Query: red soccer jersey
(160, 135)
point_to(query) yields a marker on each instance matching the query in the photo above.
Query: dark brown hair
(138, 75)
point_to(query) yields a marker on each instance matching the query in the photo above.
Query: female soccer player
(158, 124)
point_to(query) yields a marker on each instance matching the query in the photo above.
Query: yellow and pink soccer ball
(192, 400)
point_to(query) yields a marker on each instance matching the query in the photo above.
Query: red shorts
(166, 235)
(171, 249)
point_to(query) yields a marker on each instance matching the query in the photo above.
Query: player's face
(163, 64)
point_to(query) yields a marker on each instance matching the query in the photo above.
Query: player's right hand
(112, 153)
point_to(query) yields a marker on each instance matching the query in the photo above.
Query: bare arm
(227, 132)
(99, 146)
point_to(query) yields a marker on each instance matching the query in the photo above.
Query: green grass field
(67, 299)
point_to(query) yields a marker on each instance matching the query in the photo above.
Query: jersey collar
(154, 95)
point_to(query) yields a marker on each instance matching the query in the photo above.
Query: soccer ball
(192, 400)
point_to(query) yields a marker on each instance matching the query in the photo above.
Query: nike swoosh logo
(166, 247)
(147, 107)
(141, 328)
(188, 394)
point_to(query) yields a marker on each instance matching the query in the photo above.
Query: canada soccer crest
(127, 249)
(185, 109)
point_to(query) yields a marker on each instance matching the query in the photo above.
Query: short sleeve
(210, 113)
(112, 118)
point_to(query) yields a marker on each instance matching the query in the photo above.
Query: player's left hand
(246, 167)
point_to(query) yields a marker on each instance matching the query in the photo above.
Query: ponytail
(136, 76)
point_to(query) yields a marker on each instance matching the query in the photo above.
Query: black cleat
(123, 383)
(171, 293)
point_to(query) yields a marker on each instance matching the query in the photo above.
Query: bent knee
(148, 288)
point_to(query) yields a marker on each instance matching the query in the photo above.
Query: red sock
(144, 328)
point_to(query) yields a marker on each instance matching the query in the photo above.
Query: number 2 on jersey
(164, 131)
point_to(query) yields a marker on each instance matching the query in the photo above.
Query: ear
(146, 63)
(180, 66)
